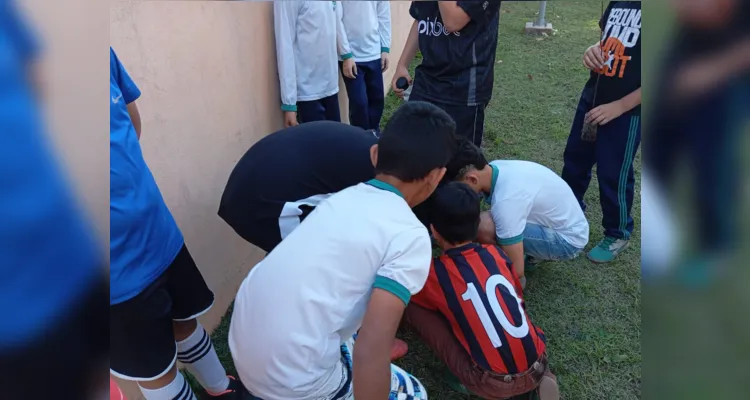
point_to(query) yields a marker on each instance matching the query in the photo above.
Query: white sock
(199, 357)
(178, 389)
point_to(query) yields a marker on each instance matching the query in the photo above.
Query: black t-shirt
(621, 43)
(284, 176)
(457, 68)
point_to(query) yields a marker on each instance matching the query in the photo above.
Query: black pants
(67, 359)
(469, 119)
(325, 109)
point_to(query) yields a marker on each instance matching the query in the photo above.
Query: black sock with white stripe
(178, 389)
(199, 357)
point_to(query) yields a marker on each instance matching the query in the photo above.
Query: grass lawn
(590, 313)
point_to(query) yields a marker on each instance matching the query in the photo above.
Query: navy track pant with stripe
(613, 153)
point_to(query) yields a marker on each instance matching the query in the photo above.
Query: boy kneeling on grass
(471, 312)
(354, 263)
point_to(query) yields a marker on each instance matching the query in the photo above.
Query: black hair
(418, 138)
(455, 212)
(467, 156)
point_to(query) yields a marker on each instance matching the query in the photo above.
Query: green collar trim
(495, 172)
(384, 186)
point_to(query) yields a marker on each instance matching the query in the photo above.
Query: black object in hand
(588, 133)
(402, 83)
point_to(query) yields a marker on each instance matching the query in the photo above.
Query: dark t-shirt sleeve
(413, 10)
(480, 11)
(605, 16)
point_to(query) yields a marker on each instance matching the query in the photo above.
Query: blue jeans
(545, 243)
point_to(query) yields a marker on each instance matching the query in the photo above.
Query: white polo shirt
(526, 192)
(309, 295)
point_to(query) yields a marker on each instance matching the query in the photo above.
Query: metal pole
(542, 11)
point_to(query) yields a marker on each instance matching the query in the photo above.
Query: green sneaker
(607, 250)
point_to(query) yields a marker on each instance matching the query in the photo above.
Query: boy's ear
(374, 155)
(435, 176)
(473, 178)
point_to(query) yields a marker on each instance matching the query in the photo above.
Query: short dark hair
(455, 213)
(418, 138)
(466, 156)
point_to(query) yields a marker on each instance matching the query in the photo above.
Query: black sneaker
(235, 391)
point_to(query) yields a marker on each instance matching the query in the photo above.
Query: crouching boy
(471, 311)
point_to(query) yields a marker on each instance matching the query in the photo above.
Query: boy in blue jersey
(51, 286)
(156, 290)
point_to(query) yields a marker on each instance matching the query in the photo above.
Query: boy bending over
(471, 312)
(534, 212)
(354, 263)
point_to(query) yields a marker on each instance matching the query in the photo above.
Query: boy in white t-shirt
(354, 263)
(534, 215)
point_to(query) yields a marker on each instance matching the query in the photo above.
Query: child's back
(315, 285)
(471, 312)
(475, 289)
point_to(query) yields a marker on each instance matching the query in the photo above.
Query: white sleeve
(285, 26)
(406, 264)
(342, 42)
(509, 216)
(384, 26)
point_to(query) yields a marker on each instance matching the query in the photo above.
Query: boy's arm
(457, 14)
(412, 41)
(372, 364)
(509, 217)
(403, 274)
(605, 113)
(135, 118)
(342, 41)
(384, 25)
(285, 28)
(515, 253)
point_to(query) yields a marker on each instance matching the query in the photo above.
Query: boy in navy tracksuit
(617, 112)
(364, 44)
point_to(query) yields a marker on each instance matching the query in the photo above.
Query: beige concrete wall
(207, 71)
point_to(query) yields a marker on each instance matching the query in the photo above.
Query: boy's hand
(290, 119)
(593, 58)
(401, 72)
(383, 61)
(372, 351)
(604, 113)
(350, 68)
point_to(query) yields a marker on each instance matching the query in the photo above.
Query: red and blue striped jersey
(476, 289)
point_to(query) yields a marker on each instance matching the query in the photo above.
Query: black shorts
(67, 358)
(141, 336)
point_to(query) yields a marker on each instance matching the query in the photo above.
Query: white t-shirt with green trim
(526, 192)
(309, 295)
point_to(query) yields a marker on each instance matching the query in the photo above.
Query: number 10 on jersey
(472, 294)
